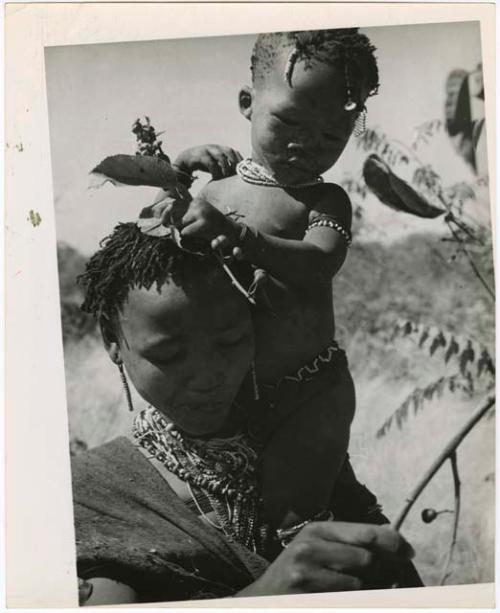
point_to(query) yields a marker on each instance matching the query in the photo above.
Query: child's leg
(303, 458)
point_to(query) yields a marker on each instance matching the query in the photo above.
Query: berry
(429, 515)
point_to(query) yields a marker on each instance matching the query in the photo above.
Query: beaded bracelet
(331, 222)
(286, 535)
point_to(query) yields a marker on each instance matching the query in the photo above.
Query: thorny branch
(439, 461)
(456, 486)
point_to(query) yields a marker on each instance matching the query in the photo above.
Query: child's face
(187, 350)
(299, 132)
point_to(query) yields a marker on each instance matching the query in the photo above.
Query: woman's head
(181, 330)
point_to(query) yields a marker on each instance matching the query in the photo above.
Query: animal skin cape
(131, 527)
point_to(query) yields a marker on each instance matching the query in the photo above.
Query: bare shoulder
(331, 199)
(217, 190)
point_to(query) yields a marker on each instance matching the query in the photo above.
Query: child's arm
(315, 259)
(172, 203)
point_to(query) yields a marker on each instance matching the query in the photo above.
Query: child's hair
(129, 259)
(337, 47)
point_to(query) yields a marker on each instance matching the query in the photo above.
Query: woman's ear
(245, 100)
(114, 352)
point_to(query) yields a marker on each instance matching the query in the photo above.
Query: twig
(442, 457)
(456, 486)
(471, 262)
(233, 279)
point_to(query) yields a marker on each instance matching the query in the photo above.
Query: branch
(456, 486)
(442, 457)
(471, 261)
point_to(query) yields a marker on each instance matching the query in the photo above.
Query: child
(307, 96)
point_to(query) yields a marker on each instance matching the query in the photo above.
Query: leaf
(424, 337)
(453, 348)
(407, 328)
(452, 385)
(466, 356)
(137, 170)
(394, 192)
(485, 364)
(437, 341)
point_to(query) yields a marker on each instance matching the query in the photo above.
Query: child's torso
(301, 323)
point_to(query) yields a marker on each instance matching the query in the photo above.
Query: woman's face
(187, 349)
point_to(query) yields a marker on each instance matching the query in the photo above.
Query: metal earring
(290, 65)
(350, 105)
(360, 123)
(126, 387)
(256, 394)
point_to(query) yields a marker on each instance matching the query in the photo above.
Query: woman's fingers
(349, 559)
(325, 580)
(380, 539)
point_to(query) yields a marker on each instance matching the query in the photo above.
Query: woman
(175, 516)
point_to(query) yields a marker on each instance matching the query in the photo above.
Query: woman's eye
(162, 360)
(230, 341)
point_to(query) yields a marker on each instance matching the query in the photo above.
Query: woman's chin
(205, 424)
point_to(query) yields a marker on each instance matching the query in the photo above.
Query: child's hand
(203, 220)
(169, 206)
(219, 161)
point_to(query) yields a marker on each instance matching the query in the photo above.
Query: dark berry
(429, 515)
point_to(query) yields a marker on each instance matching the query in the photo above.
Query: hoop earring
(256, 394)
(126, 387)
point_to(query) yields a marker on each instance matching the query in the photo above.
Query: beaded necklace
(254, 173)
(223, 469)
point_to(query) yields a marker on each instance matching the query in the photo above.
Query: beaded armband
(330, 222)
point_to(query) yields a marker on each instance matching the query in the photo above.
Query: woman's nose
(211, 368)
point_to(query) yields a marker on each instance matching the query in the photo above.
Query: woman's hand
(203, 220)
(219, 161)
(331, 557)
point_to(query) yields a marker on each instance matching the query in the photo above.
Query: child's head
(307, 91)
(183, 333)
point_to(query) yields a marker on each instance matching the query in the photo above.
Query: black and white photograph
(277, 310)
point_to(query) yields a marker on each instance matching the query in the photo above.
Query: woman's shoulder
(110, 457)
(114, 473)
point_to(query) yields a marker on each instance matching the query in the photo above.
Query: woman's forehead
(174, 309)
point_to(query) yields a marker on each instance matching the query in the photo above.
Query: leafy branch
(466, 352)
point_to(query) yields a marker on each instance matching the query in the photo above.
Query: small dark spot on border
(34, 218)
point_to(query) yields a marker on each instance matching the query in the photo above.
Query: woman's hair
(345, 47)
(129, 259)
